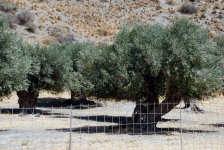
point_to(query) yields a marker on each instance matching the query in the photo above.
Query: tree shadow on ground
(16, 110)
(3, 130)
(112, 119)
(124, 129)
(41, 112)
(215, 124)
(102, 118)
(49, 102)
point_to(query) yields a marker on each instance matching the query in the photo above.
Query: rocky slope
(99, 20)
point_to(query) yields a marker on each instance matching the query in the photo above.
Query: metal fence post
(70, 136)
(181, 142)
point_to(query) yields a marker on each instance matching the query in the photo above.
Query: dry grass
(220, 27)
(48, 41)
(172, 11)
(66, 38)
(55, 31)
(210, 1)
(158, 7)
(97, 22)
(212, 35)
(104, 32)
(217, 6)
(70, 9)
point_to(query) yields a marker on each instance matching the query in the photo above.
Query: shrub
(10, 18)
(25, 16)
(188, 8)
(37, 1)
(8, 7)
(220, 41)
(155, 1)
(31, 27)
(103, 1)
(220, 45)
(54, 31)
(158, 7)
(67, 38)
(170, 2)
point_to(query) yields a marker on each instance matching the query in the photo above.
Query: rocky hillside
(47, 21)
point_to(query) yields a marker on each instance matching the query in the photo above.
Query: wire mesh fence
(107, 126)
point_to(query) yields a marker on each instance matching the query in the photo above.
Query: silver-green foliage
(220, 45)
(55, 68)
(14, 65)
(80, 55)
(191, 60)
(181, 52)
(51, 67)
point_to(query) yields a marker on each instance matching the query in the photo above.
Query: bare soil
(98, 127)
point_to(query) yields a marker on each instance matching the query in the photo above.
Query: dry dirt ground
(97, 127)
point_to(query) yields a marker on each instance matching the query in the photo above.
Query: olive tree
(51, 71)
(220, 45)
(14, 65)
(152, 62)
(78, 83)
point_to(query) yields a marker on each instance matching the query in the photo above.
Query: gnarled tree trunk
(79, 98)
(190, 105)
(27, 100)
(147, 112)
(147, 103)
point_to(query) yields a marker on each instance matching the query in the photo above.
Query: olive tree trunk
(27, 100)
(148, 113)
(79, 98)
(190, 105)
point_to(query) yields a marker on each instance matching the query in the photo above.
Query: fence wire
(105, 126)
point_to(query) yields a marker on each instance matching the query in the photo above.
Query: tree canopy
(141, 54)
(142, 62)
(14, 65)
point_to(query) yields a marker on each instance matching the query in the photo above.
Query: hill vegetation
(98, 21)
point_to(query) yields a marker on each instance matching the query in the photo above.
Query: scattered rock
(212, 34)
